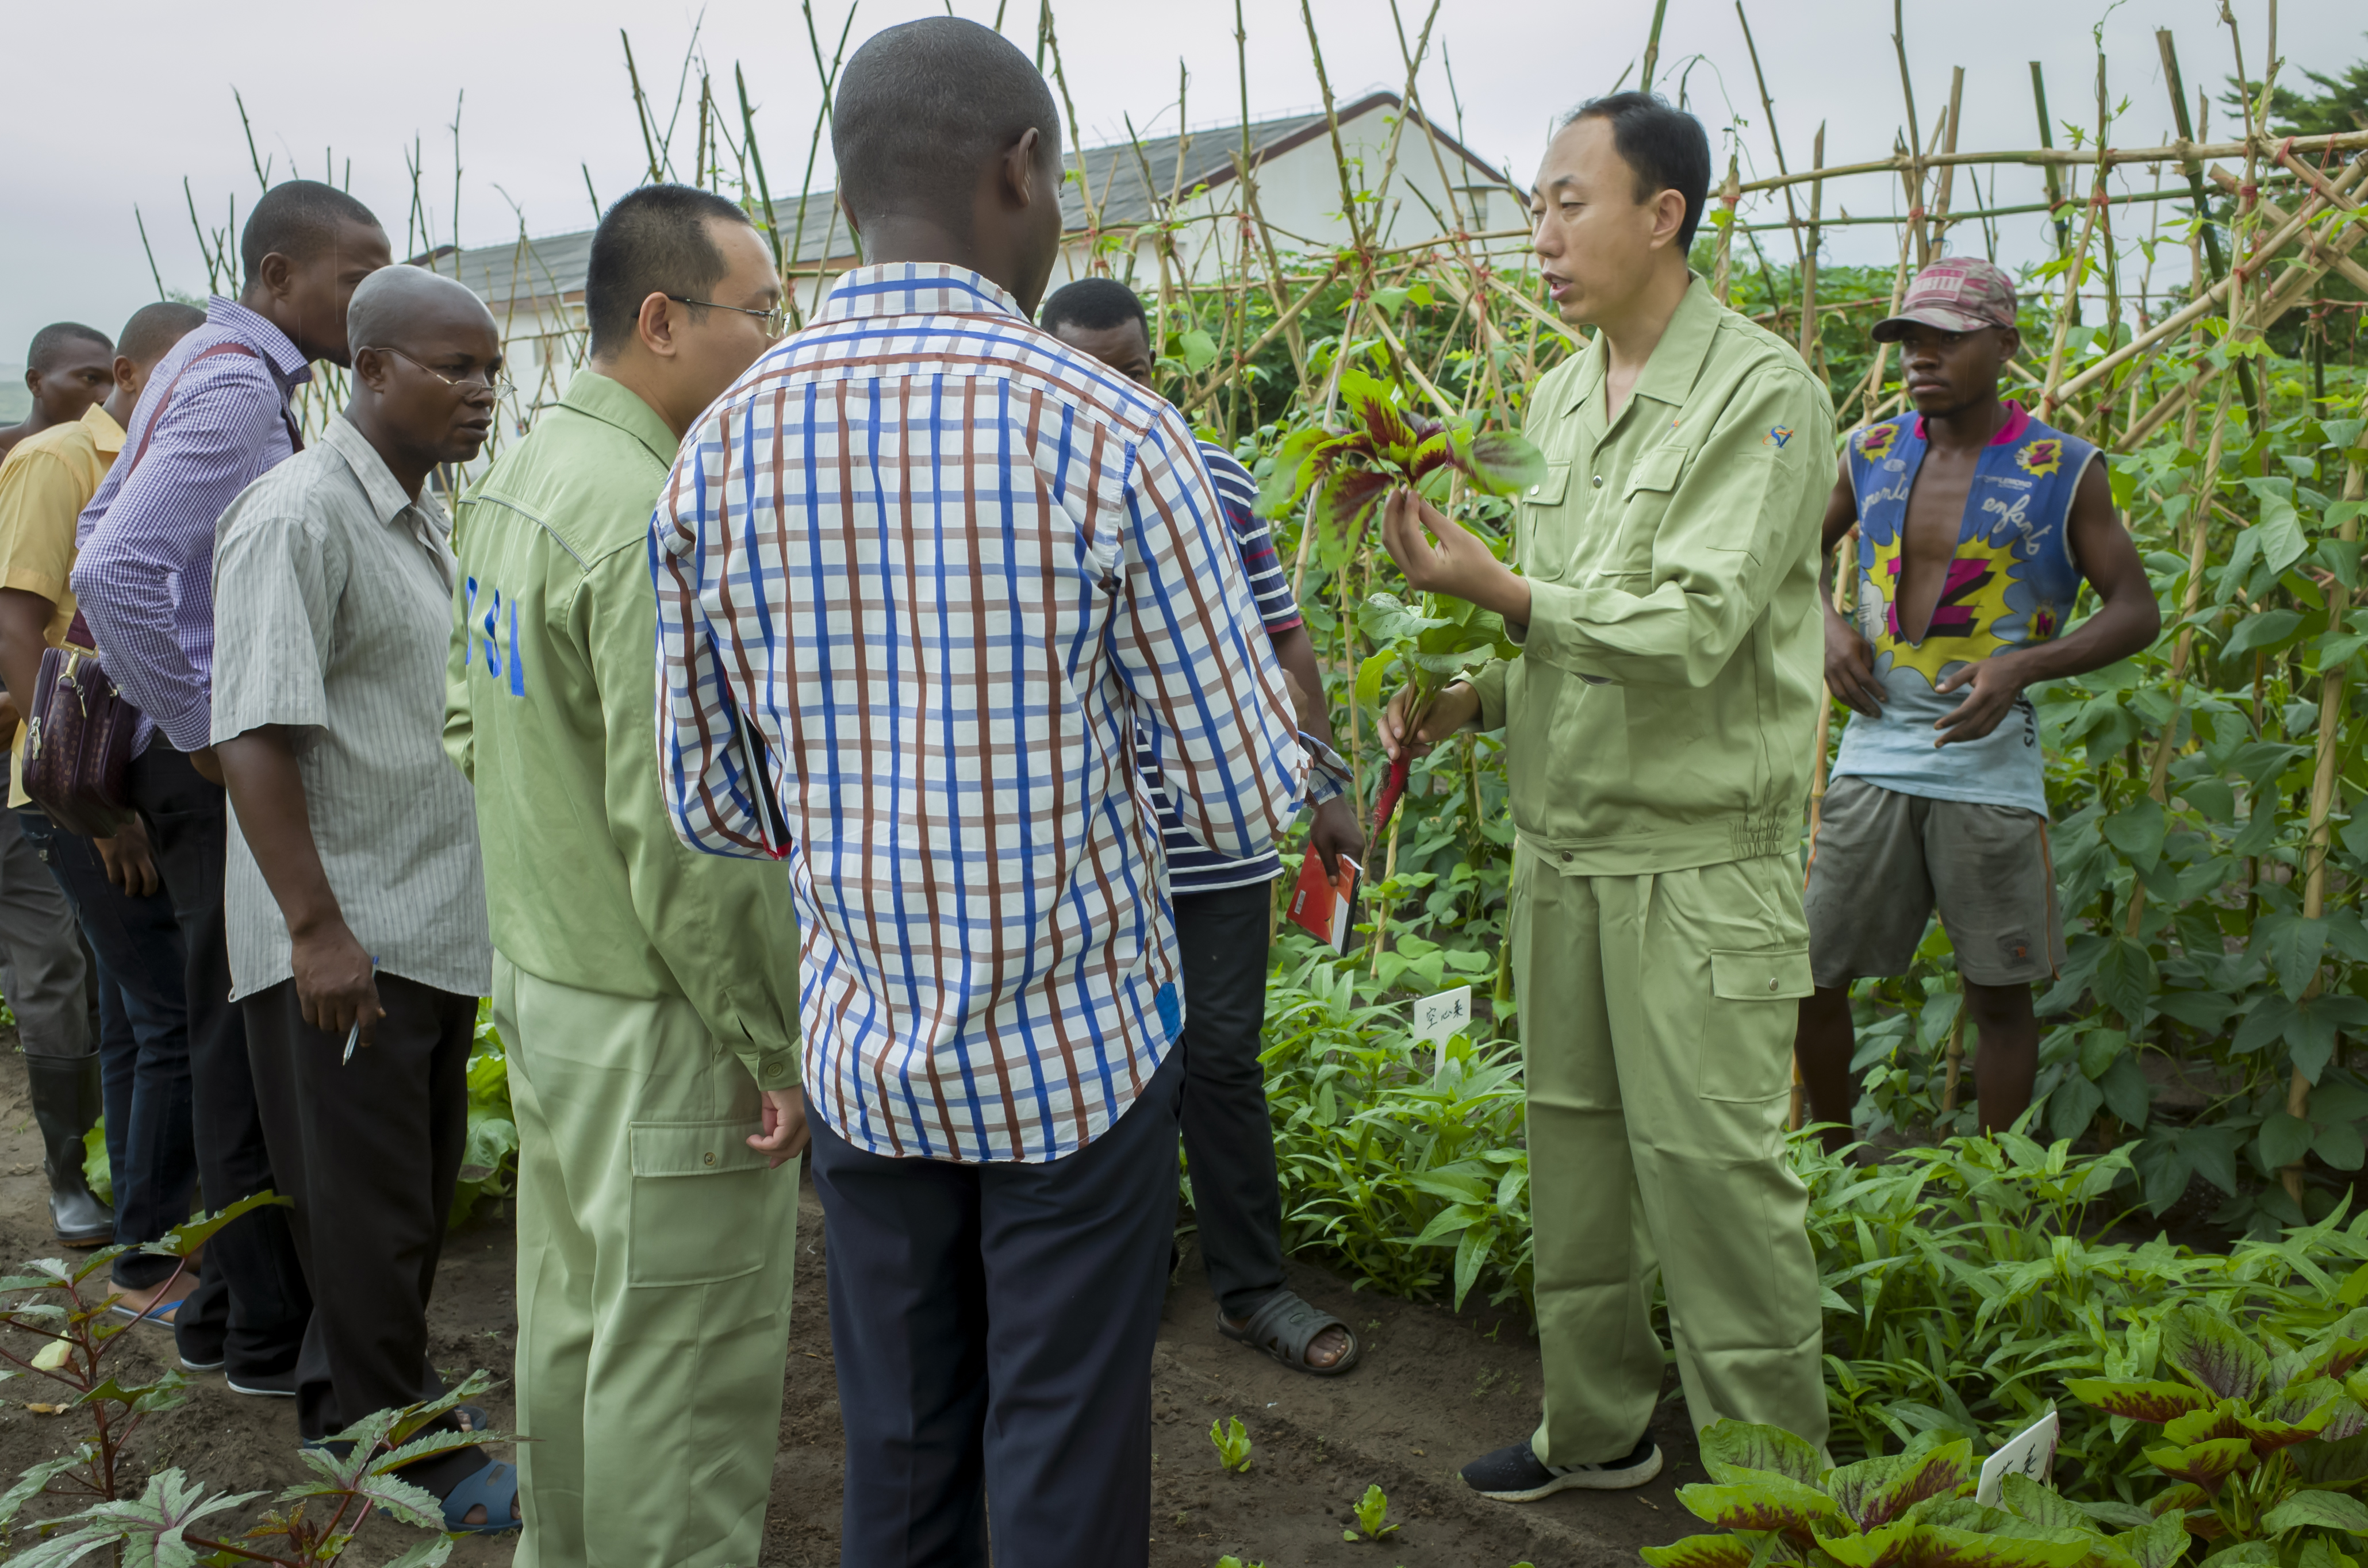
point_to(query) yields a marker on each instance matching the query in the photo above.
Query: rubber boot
(65, 1107)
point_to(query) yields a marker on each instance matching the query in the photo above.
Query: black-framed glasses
(490, 378)
(777, 320)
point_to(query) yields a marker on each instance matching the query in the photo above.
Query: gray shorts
(1880, 862)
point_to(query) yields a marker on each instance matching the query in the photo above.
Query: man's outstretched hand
(1439, 555)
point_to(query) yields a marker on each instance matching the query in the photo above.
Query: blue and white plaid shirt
(943, 565)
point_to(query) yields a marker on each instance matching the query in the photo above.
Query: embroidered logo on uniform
(1778, 434)
(1875, 440)
(2040, 459)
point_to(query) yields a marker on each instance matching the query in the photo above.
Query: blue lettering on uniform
(493, 630)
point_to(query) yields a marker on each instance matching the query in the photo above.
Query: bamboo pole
(2168, 48)
(2049, 395)
(2064, 157)
(2047, 140)
(1653, 44)
(1949, 145)
(1727, 197)
(2322, 793)
(2205, 304)
(1911, 169)
(1812, 351)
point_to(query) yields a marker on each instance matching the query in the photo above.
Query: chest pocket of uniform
(1644, 502)
(1542, 504)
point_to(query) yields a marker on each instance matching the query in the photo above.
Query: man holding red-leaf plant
(1657, 730)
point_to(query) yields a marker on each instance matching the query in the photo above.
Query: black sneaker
(1515, 1474)
(265, 1385)
(191, 1364)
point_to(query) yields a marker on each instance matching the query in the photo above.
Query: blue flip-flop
(496, 1489)
(160, 1313)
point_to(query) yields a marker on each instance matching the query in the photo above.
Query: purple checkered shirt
(144, 576)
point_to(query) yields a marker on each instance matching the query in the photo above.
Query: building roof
(523, 270)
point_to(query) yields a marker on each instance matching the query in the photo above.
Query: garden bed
(1436, 1389)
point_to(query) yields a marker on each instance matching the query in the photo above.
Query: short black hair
(653, 241)
(923, 106)
(1095, 303)
(297, 219)
(1666, 147)
(51, 340)
(153, 329)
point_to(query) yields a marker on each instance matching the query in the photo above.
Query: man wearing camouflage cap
(1976, 525)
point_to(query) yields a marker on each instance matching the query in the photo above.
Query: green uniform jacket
(552, 712)
(1664, 707)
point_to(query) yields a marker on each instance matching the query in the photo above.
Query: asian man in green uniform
(1658, 726)
(647, 994)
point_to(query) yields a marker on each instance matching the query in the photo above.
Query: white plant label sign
(1448, 1013)
(2030, 1452)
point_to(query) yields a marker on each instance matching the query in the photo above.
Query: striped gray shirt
(332, 611)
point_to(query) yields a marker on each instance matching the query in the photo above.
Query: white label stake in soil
(1436, 1018)
(2030, 1452)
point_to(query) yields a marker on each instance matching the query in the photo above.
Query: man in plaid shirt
(921, 573)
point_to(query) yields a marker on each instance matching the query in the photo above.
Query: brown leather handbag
(78, 738)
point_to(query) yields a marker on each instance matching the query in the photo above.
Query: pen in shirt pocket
(354, 1035)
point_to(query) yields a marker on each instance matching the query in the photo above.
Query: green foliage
(489, 1161)
(2262, 1442)
(1780, 1503)
(1405, 1160)
(65, 1308)
(1233, 1445)
(354, 1475)
(1388, 443)
(1373, 1512)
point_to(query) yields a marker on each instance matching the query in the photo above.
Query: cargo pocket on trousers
(1753, 1014)
(694, 1190)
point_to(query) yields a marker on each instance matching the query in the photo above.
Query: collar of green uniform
(1677, 359)
(596, 396)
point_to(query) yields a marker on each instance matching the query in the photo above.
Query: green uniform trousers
(655, 1252)
(1657, 1014)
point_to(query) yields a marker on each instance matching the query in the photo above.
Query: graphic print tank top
(2011, 582)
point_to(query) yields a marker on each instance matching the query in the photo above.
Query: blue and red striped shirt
(937, 565)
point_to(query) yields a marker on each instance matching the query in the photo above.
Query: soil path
(1435, 1390)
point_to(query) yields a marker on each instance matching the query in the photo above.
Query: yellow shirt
(47, 480)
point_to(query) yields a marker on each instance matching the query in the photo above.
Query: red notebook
(1326, 906)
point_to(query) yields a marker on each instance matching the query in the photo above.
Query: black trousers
(151, 1134)
(250, 1310)
(993, 1326)
(1228, 1140)
(371, 1152)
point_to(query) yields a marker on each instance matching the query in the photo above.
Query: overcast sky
(113, 110)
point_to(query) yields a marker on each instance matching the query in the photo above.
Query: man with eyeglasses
(354, 898)
(647, 994)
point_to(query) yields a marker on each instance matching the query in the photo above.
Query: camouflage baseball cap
(1960, 293)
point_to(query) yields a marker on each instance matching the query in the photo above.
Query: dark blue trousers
(152, 1149)
(993, 1326)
